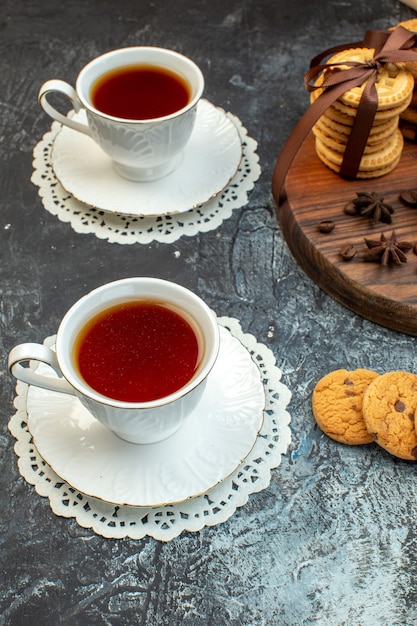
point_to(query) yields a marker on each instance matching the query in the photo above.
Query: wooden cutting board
(386, 295)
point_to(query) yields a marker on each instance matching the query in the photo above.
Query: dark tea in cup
(135, 352)
(138, 351)
(140, 92)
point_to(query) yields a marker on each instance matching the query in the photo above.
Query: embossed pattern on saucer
(209, 161)
(219, 434)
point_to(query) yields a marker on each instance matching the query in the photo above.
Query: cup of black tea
(136, 352)
(140, 107)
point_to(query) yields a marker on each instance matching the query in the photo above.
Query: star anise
(387, 251)
(370, 205)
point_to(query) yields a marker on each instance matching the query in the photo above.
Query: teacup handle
(60, 86)
(36, 352)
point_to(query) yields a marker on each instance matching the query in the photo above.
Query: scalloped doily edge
(121, 228)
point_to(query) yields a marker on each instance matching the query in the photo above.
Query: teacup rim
(92, 109)
(84, 389)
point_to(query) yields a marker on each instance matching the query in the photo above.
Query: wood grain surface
(386, 295)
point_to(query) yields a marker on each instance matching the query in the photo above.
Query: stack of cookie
(360, 406)
(408, 117)
(385, 142)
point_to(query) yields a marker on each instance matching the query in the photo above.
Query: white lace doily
(166, 522)
(125, 229)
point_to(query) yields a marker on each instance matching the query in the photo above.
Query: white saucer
(209, 161)
(212, 443)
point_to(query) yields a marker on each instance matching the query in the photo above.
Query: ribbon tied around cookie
(388, 47)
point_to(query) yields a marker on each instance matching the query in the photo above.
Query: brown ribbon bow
(389, 47)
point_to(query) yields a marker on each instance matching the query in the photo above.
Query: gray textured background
(332, 540)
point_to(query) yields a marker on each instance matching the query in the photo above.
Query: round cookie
(337, 405)
(347, 117)
(389, 407)
(329, 139)
(348, 106)
(411, 66)
(385, 158)
(382, 171)
(394, 85)
(341, 131)
(380, 116)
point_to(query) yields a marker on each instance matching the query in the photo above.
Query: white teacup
(141, 149)
(136, 422)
